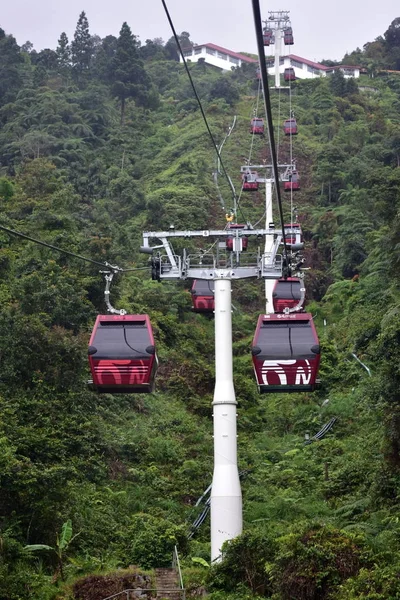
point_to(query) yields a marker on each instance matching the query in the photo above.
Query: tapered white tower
(226, 495)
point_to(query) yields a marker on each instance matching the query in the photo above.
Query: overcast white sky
(321, 29)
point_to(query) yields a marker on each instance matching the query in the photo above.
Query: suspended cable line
(200, 104)
(279, 123)
(218, 171)
(291, 152)
(254, 114)
(68, 253)
(268, 112)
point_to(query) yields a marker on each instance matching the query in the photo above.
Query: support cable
(199, 103)
(218, 169)
(279, 123)
(291, 152)
(268, 111)
(106, 264)
(254, 114)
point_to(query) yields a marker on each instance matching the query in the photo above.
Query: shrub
(243, 564)
(311, 564)
(152, 540)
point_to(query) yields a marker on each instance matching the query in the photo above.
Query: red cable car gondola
(249, 181)
(290, 127)
(203, 296)
(294, 182)
(122, 354)
(289, 74)
(288, 39)
(295, 235)
(286, 293)
(257, 126)
(243, 240)
(286, 353)
(267, 37)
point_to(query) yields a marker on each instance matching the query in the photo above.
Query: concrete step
(167, 579)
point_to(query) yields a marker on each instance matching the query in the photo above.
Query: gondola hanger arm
(109, 277)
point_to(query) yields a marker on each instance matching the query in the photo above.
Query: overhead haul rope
(279, 123)
(217, 171)
(106, 264)
(268, 111)
(200, 105)
(291, 152)
(254, 114)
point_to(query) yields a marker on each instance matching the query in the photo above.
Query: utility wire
(291, 152)
(218, 171)
(268, 111)
(199, 102)
(67, 252)
(254, 113)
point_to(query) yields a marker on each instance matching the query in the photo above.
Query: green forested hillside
(100, 140)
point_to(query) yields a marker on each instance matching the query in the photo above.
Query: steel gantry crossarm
(229, 254)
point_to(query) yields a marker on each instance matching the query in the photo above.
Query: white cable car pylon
(226, 494)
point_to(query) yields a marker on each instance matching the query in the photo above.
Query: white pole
(278, 37)
(226, 495)
(269, 242)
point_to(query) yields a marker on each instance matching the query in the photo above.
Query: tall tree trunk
(122, 111)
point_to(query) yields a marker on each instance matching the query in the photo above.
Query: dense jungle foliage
(101, 139)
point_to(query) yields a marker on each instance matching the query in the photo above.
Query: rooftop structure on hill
(217, 56)
(309, 69)
(227, 59)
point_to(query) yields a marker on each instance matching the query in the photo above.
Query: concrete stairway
(167, 584)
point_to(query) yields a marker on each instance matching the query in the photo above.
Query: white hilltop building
(227, 59)
(217, 56)
(308, 69)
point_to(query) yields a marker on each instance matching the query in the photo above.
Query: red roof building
(217, 56)
(226, 59)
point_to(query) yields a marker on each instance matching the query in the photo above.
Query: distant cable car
(122, 354)
(288, 39)
(286, 353)
(257, 126)
(294, 182)
(267, 37)
(286, 293)
(249, 181)
(289, 74)
(203, 296)
(258, 73)
(294, 235)
(290, 127)
(243, 240)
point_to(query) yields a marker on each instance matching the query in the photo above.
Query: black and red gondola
(249, 181)
(290, 127)
(286, 293)
(257, 126)
(122, 354)
(286, 353)
(288, 39)
(203, 296)
(294, 182)
(243, 241)
(293, 233)
(267, 37)
(289, 74)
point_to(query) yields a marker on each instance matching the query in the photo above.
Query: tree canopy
(101, 139)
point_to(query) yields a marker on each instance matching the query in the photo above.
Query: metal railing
(134, 594)
(168, 267)
(148, 593)
(177, 566)
(200, 260)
